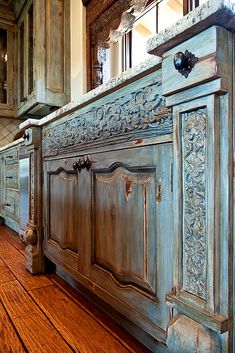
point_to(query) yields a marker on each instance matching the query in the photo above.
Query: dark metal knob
(26, 136)
(82, 163)
(75, 166)
(184, 62)
(88, 163)
(180, 61)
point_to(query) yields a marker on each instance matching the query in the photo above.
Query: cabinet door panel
(129, 252)
(124, 224)
(12, 176)
(11, 204)
(63, 213)
(63, 188)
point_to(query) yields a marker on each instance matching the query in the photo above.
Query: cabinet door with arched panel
(129, 247)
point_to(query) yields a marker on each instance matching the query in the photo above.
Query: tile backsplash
(8, 130)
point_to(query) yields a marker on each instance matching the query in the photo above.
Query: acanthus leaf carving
(140, 112)
(194, 202)
(127, 20)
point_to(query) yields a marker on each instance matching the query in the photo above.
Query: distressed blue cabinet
(138, 189)
(108, 224)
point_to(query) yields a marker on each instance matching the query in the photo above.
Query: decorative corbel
(108, 29)
(127, 20)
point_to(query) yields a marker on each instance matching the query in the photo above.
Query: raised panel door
(129, 252)
(63, 213)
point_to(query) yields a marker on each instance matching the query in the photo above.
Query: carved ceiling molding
(100, 28)
(127, 20)
(108, 28)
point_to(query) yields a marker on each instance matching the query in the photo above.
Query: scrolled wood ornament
(30, 237)
(127, 20)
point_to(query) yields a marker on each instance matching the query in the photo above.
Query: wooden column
(33, 236)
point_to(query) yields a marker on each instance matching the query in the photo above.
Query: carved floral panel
(139, 112)
(194, 160)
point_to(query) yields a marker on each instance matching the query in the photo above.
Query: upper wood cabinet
(7, 71)
(43, 57)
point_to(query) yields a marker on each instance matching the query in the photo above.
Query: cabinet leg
(185, 335)
(34, 259)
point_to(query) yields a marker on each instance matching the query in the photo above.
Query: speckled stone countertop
(113, 84)
(12, 144)
(213, 12)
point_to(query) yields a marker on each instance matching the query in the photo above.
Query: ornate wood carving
(139, 112)
(194, 202)
(100, 28)
(108, 28)
(127, 20)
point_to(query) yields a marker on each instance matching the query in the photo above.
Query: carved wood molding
(100, 28)
(194, 202)
(108, 28)
(142, 112)
(127, 20)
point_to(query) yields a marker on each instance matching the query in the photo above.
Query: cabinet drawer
(11, 204)
(12, 176)
(12, 156)
(210, 47)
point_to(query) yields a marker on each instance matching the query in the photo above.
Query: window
(192, 4)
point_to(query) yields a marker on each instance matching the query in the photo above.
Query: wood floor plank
(108, 323)
(35, 330)
(12, 237)
(5, 274)
(57, 313)
(9, 341)
(39, 336)
(15, 261)
(82, 332)
(16, 300)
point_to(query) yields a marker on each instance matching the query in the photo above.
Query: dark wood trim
(86, 2)
(186, 7)
(127, 51)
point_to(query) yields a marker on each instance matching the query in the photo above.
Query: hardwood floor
(44, 314)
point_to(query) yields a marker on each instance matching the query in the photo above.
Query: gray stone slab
(213, 12)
